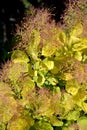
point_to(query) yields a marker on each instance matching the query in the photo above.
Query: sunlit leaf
(19, 56)
(49, 64)
(39, 78)
(74, 39)
(62, 36)
(80, 45)
(48, 50)
(33, 46)
(78, 55)
(73, 115)
(82, 123)
(52, 80)
(55, 121)
(43, 126)
(72, 87)
(80, 97)
(84, 107)
(76, 30)
(67, 103)
(68, 76)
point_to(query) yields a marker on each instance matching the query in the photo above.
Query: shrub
(45, 83)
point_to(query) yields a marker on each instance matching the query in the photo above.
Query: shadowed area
(56, 7)
(12, 12)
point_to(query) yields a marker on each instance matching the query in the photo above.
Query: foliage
(46, 79)
(76, 11)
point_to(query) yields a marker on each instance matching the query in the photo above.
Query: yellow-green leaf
(84, 107)
(40, 80)
(48, 50)
(56, 122)
(19, 56)
(76, 30)
(78, 55)
(82, 123)
(80, 45)
(62, 36)
(68, 76)
(72, 87)
(49, 64)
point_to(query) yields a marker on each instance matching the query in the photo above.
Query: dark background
(12, 12)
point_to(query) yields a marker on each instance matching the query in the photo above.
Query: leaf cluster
(44, 85)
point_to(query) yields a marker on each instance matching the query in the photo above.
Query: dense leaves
(46, 80)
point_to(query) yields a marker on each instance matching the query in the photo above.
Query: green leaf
(65, 128)
(49, 64)
(30, 70)
(80, 45)
(78, 55)
(67, 103)
(39, 78)
(72, 87)
(73, 115)
(76, 30)
(19, 56)
(48, 50)
(84, 107)
(68, 76)
(43, 126)
(2, 126)
(80, 97)
(33, 46)
(55, 70)
(52, 80)
(62, 36)
(82, 123)
(55, 121)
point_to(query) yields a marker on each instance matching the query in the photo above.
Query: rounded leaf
(16, 70)
(48, 50)
(19, 56)
(77, 30)
(49, 64)
(43, 126)
(72, 87)
(82, 123)
(55, 122)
